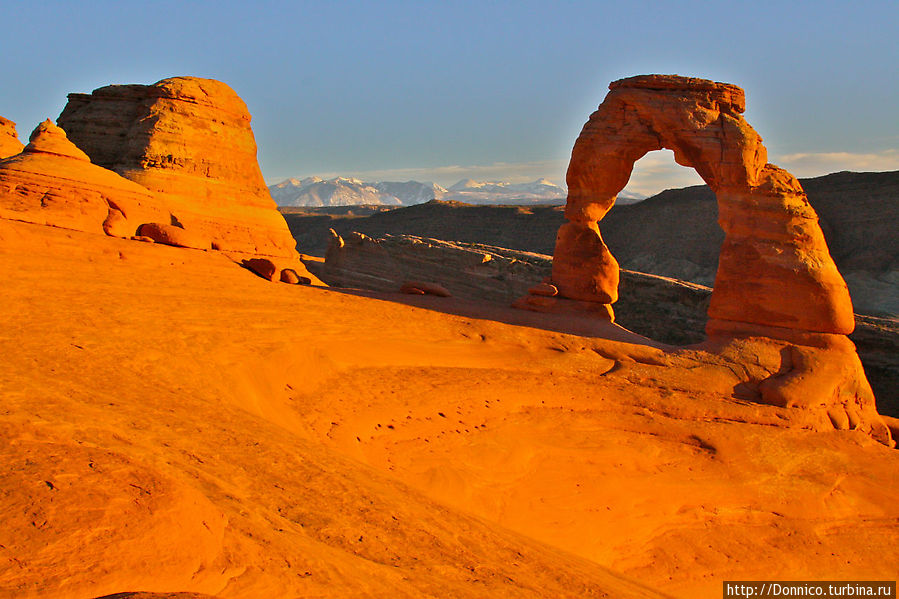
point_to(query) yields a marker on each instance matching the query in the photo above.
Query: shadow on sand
(571, 324)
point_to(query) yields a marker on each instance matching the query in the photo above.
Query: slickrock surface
(152, 442)
(469, 271)
(53, 182)
(215, 433)
(189, 141)
(660, 308)
(9, 139)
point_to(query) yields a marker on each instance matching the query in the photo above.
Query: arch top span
(699, 120)
(725, 93)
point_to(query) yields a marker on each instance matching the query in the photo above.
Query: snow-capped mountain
(342, 191)
(501, 192)
(411, 192)
(630, 197)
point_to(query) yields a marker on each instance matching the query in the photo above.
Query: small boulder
(171, 235)
(544, 289)
(290, 276)
(263, 267)
(411, 290)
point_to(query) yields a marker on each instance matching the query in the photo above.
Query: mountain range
(344, 191)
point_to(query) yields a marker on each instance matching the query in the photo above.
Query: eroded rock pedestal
(189, 141)
(775, 280)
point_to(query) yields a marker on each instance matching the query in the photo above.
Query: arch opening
(657, 171)
(667, 250)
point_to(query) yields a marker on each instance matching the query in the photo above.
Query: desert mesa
(190, 408)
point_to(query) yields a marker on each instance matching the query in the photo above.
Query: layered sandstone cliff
(52, 182)
(189, 141)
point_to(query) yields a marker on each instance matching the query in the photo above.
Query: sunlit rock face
(189, 141)
(776, 279)
(774, 270)
(52, 182)
(9, 140)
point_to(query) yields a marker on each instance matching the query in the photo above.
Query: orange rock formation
(775, 280)
(189, 141)
(52, 182)
(774, 269)
(9, 139)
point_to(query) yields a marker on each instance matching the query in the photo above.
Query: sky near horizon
(441, 91)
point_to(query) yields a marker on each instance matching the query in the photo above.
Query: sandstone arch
(774, 268)
(779, 309)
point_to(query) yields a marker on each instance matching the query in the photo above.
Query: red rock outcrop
(172, 235)
(52, 182)
(774, 269)
(9, 139)
(290, 276)
(189, 141)
(776, 278)
(263, 267)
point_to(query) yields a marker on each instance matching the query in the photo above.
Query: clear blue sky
(423, 88)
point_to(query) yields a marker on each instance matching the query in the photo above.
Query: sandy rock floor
(173, 422)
